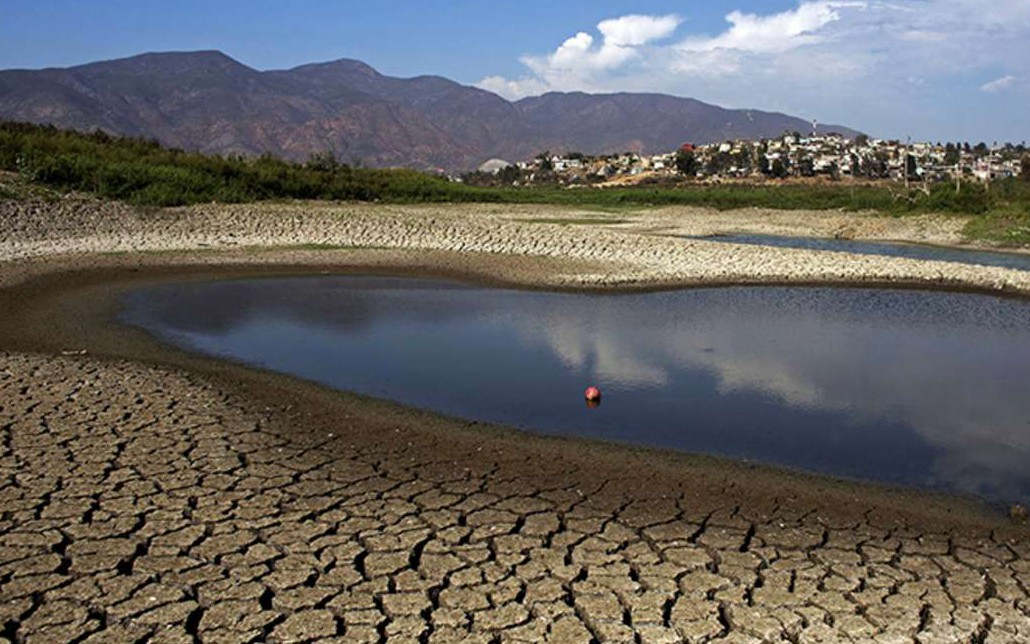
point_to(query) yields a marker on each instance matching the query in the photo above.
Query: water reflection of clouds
(951, 367)
(957, 380)
(591, 340)
(330, 303)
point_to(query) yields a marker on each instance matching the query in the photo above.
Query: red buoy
(592, 393)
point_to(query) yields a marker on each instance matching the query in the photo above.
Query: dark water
(927, 389)
(888, 249)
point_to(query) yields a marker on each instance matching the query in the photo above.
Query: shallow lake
(928, 389)
(1017, 261)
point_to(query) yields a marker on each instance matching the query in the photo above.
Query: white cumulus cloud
(630, 47)
(890, 67)
(579, 61)
(635, 30)
(513, 88)
(774, 33)
(998, 84)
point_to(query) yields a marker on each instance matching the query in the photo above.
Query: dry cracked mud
(145, 504)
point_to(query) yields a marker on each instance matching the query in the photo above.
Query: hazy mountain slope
(210, 102)
(647, 122)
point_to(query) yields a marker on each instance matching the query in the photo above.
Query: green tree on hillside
(856, 165)
(718, 163)
(763, 164)
(911, 166)
(509, 175)
(951, 154)
(686, 163)
(806, 166)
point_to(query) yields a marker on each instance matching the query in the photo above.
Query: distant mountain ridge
(207, 101)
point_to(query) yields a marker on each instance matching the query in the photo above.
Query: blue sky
(930, 69)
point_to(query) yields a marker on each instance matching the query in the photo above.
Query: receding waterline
(1017, 261)
(907, 387)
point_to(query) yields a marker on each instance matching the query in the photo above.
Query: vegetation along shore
(143, 172)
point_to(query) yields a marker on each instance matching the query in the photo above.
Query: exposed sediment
(630, 253)
(169, 498)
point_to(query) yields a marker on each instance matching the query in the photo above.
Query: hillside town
(830, 156)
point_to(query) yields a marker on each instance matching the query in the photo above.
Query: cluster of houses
(792, 155)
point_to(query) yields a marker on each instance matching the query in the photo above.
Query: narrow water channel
(1017, 261)
(927, 389)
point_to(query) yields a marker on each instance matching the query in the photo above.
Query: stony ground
(143, 505)
(635, 247)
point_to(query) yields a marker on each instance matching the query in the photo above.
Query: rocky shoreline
(634, 249)
(152, 495)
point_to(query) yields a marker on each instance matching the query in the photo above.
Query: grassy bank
(144, 172)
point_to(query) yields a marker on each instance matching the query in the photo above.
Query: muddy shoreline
(71, 311)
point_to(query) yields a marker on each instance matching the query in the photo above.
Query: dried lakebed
(150, 494)
(898, 386)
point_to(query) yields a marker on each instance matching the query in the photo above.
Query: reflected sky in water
(920, 388)
(1017, 261)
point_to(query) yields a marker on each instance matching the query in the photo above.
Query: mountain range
(207, 101)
